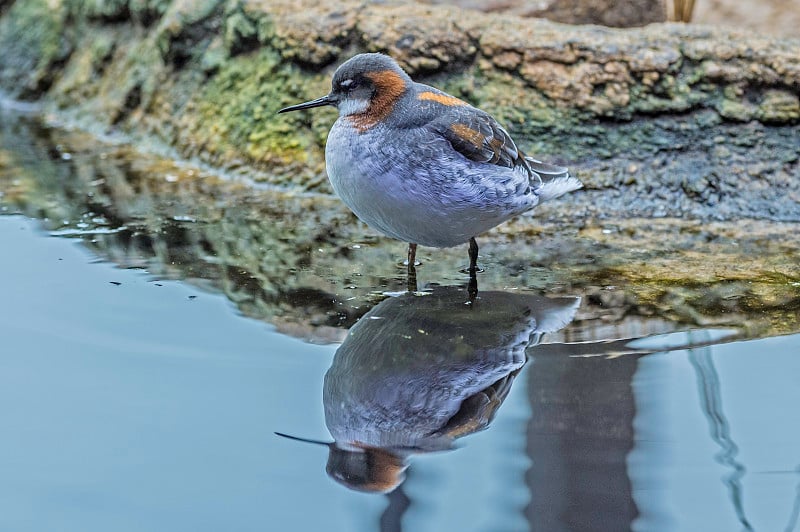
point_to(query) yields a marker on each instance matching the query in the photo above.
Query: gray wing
(478, 137)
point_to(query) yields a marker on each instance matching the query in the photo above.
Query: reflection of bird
(422, 166)
(419, 371)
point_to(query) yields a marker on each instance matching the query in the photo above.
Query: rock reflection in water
(418, 372)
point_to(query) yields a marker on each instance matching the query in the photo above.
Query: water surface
(161, 324)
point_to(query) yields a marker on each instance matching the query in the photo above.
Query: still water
(185, 358)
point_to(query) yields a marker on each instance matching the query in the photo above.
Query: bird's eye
(348, 84)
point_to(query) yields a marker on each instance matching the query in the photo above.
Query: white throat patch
(352, 106)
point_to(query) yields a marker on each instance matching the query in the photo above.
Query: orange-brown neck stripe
(443, 99)
(389, 87)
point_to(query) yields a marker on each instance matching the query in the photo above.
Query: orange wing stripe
(443, 99)
(472, 136)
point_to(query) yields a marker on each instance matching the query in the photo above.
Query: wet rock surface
(304, 263)
(666, 120)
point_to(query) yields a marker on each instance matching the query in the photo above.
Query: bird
(422, 166)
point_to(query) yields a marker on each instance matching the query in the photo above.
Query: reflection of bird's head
(366, 469)
(361, 468)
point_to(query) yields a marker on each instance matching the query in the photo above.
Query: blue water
(133, 403)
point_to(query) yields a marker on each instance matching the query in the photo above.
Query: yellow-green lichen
(779, 106)
(238, 110)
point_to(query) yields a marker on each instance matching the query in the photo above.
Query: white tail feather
(555, 180)
(558, 186)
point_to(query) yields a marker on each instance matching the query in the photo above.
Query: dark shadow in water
(581, 432)
(579, 437)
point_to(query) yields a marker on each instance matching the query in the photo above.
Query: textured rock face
(664, 120)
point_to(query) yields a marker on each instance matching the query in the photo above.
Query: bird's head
(365, 88)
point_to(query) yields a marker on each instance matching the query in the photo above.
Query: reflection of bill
(419, 371)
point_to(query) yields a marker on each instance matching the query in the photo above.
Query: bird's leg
(412, 269)
(412, 255)
(473, 256)
(472, 287)
(411, 280)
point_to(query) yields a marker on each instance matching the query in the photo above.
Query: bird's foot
(472, 289)
(411, 260)
(411, 280)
